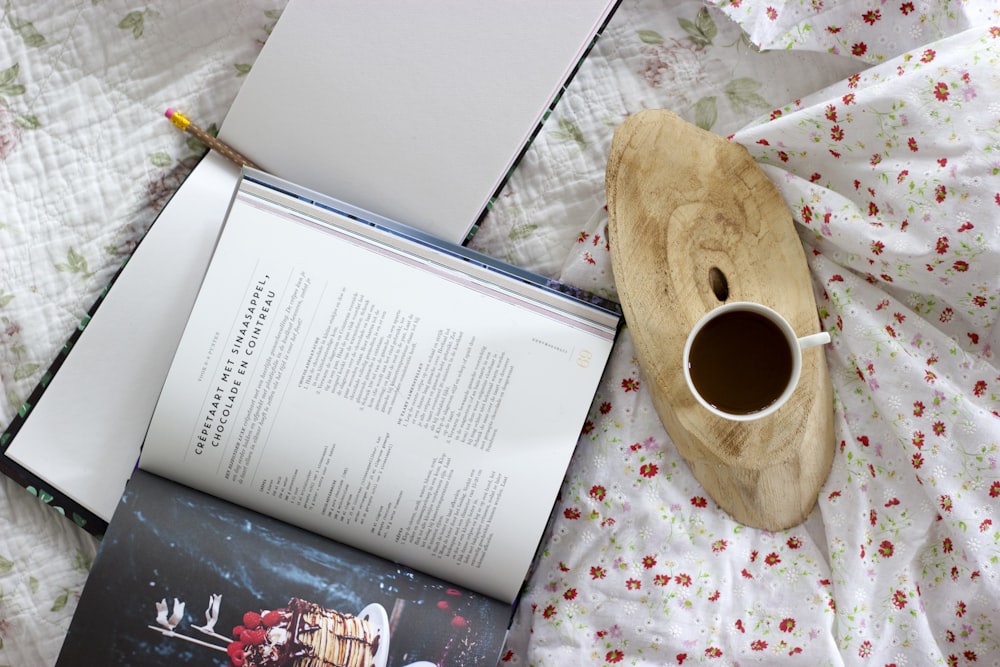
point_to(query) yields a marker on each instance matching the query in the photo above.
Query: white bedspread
(888, 156)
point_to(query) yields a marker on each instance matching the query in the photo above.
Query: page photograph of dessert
(183, 578)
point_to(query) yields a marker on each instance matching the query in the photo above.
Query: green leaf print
(650, 37)
(25, 30)
(5, 298)
(519, 232)
(6, 565)
(75, 263)
(29, 122)
(136, 21)
(25, 371)
(61, 601)
(702, 30)
(161, 159)
(571, 131)
(705, 113)
(743, 95)
(242, 69)
(8, 82)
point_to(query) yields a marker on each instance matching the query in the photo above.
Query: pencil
(182, 121)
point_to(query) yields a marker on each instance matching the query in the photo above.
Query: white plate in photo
(376, 615)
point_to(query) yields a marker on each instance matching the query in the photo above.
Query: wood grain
(690, 213)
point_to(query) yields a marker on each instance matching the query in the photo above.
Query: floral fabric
(872, 32)
(893, 179)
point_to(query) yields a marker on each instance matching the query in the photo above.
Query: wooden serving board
(694, 223)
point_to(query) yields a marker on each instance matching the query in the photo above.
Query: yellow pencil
(182, 121)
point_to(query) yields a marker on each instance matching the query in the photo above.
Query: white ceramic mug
(740, 359)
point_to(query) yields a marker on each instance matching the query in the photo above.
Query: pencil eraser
(169, 113)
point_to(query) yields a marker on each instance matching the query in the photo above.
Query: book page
(387, 401)
(415, 111)
(84, 438)
(221, 562)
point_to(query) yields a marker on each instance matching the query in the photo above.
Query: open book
(415, 111)
(411, 399)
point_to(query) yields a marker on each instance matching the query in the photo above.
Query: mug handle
(821, 338)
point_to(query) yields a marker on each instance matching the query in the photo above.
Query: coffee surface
(740, 362)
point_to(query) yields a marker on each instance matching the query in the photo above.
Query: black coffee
(740, 362)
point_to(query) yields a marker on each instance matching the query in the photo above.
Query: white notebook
(415, 111)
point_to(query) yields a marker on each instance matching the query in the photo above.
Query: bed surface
(880, 125)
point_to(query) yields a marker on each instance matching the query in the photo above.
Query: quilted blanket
(879, 122)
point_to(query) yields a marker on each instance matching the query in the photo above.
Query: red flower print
(865, 649)
(886, 549)
(941, 91)
(871, 17)
(549, 612)
(570, 594)
(713, 652)
(582, 237)
(772, 13)
(614, 656)
(719, 546)
(649, 469)
(961, 266)
(661, 580)
(794, 542)
(739, 625)
(681, 657)
(928, 56)
(942, 245)
(758, 645)
(859, 49)
(683, 579)
(946, 545)
(902, 175)
(847, 99)
(746, 574)
(899, 599)
(508, 656)
(939, 428)
(917, 461)
(970, 656)
(714, 597)
(605, 408)
(633, 584)
(831, 113)
(946, 314)
(960, 609)
(772, 559)
(630, 384)
(995, 489)
(837, 133)
(571, 513)
(598, 492)
(597, 572)
(787, 624)
(945, 502)
(877, 246)
(649, 562)
(912, 143)
(987, 523)
(699, 501)
(906, 8)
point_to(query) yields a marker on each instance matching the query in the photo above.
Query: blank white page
(411, 110)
